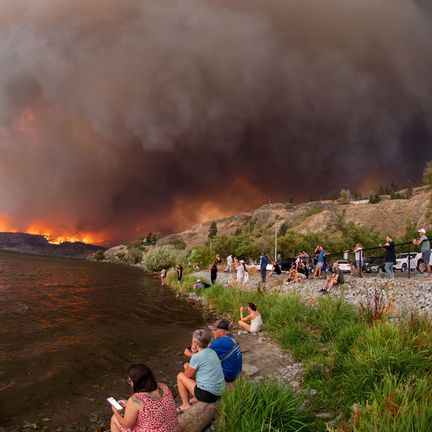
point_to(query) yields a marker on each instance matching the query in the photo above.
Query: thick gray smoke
(112, 112)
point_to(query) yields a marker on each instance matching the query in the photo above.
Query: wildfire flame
(53, 236)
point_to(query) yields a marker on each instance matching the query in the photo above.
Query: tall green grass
(347, 360)
(396, 406)
(264, 406)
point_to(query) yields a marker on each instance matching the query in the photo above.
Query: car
(403, 262)
(368, 262)
(344, 265)
(420, 265)
(377, 265)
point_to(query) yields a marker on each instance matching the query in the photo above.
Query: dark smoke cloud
(111, 112)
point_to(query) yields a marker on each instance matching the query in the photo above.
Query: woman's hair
(252, 306)
(142, 378)
(203, 337)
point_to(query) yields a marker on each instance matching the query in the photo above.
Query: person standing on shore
(229, 264)
(263, 266)
(322, 253)
(425, 248)
(389, 257)
(163, 275)
(179, 271)
(358, 259)
(214, 270)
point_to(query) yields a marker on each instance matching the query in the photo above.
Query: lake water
(69, 329)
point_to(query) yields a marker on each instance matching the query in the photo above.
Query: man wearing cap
(425, 248)
(227, 349)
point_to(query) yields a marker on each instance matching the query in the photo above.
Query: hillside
(387, 216)
(39, 245)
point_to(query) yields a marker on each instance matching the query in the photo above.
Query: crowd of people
(215, 359)
(316, 265)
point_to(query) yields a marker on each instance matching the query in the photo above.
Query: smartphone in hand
(114, 403)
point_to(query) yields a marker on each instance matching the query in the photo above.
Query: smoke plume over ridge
(120, 117)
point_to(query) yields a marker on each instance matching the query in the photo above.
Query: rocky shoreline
(401, 294)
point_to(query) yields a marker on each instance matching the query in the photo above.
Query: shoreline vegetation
(363, 370)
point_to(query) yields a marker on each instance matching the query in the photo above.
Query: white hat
(421, 230)
(242, 261)
(198, 280)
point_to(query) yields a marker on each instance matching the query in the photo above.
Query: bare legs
(186, 386)
(245, 326)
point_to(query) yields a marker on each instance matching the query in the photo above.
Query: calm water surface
(69, 329)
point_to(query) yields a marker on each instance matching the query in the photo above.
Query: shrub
(267, 406)
(159, 257)
(374, 198)
(345, 196)
(202, 256)
(427, 174)
(99, 255)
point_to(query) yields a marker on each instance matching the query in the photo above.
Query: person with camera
(253, 316)
(203, 377)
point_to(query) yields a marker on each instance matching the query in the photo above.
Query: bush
(345, 196)
(202, 256)
(159, 257)
(427, 174)
(99, 255)
(267, 406)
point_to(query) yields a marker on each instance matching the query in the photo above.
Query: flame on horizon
(54, 236)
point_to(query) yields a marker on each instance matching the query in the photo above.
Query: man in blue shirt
(263, 266)
(227, 349)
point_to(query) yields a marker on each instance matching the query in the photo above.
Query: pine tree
(212, 230)
(427, 174)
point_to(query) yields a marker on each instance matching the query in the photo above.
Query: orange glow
(371, 183)
(236, 196)
(26, 124)
(53, 236)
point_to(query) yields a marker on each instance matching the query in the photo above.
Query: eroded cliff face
(387, 216)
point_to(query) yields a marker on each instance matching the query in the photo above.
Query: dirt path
(263, 358)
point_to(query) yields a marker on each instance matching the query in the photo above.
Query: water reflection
(70, 328)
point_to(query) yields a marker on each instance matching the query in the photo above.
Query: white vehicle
(344, 265)
(402, 261)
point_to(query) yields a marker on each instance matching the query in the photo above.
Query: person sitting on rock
(253, 316)
(151, 408)
(276, 270)
(203, 377)
(336, 279)
(227, 349)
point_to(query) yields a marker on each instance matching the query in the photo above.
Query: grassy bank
(377, 376)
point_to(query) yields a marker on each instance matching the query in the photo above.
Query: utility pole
(276, 233)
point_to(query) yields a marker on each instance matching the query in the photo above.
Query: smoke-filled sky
(122, 117)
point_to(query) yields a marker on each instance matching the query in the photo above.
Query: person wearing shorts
(203, 377)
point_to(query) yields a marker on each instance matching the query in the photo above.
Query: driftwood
(197, 417)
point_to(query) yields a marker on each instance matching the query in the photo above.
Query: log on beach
(198, 417)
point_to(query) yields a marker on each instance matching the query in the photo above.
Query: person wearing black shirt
(389, 256)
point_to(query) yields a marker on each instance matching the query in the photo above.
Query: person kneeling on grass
(336, 279)
(253, 316)
(151, 408)
(203, 377)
